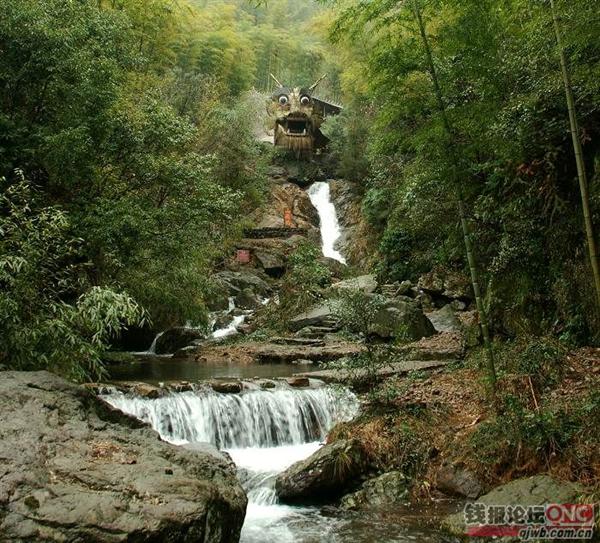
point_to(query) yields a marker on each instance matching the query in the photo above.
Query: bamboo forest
(299, 271)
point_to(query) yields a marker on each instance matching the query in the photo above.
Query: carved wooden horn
(314, 85)
(276, 80)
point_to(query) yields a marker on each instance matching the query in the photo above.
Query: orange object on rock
(243, 256)
(287, 217)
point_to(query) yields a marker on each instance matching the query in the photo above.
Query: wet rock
(388, 489)
(134, 339)
(247, 299)
(298, 382)
(235, 282)
(401, 318)
(458, 480)
(320, 315)
(75, 469)
(445, 320)
(146, 390)
(364, 283)
(326, 474)
(226, 387)
(536, 490)
(175, 338)
(210, 450)
(336, 268)
(186, 352)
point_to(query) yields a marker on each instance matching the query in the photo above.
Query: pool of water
(156, 369)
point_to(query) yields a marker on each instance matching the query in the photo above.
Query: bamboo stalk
(581, 173)
(483, 318)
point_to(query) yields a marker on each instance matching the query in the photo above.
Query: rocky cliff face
(358, 241)
(74, 469)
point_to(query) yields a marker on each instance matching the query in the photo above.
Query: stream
(265, 431)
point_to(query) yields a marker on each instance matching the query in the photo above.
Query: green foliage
(306, 270)
(50, 317)
(119, 114)
(500, 78)
(300, 288)
(541, 358)
(525, 439)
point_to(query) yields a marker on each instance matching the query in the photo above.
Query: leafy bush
(540, 358)
(51, 318)
(526, 440)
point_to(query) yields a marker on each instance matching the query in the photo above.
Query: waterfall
(256, 418)
(319, 195)
(264, 432)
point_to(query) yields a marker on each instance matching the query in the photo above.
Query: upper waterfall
(320, 197)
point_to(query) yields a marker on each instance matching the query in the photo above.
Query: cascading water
(264, 431)
(319, 195)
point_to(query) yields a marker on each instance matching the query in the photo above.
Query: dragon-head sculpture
(298, 116)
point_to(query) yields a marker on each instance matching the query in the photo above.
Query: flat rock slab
(397, 368)
(252, 352)
(74, 469)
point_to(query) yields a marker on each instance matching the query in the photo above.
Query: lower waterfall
(264, 432)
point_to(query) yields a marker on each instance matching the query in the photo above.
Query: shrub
(51, 318)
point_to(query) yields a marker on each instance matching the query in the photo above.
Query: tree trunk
(466, 229)
(581, 173)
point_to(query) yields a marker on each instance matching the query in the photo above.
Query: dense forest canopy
(127, 139)
(130, 163)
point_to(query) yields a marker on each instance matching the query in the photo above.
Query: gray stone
(326, 474)
(445, 320)
(364, 283)
(536, 490)
(234, 282)
(388, 489)
(404, 287)
(456, 479)
(74, 469)
(320, 315)
(175, 338)
(247, 299)
(273, 264)
(401, 318)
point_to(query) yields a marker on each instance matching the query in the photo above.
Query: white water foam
(264, 431)
(319, 195)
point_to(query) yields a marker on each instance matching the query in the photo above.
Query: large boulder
(247, 299)
(74, 469)
(321, 315)
(386, 490)
(364, 283)
(449, 284)
(536, 490)
(271, 262)
(401, 318)
(173, 339)
(445, 320)
(234, 282)
(326, 474)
